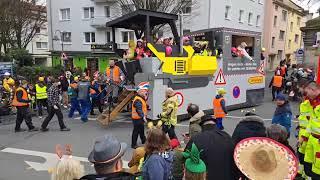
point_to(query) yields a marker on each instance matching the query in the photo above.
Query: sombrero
(261, 158)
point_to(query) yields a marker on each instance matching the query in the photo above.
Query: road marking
(51, 159)
(90, 119)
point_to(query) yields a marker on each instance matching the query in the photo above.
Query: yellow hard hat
(222, 91)
(41, 79)
(11, 82)
(76, 78)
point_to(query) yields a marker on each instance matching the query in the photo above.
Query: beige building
(281, 35)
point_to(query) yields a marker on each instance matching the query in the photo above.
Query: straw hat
(262, 158)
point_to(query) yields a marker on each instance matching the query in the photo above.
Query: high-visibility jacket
(314, 123)
(7, 83)
(15, 101)
(306, 113)
(115, 74)
(169, 111)
(41, 92)
(217, 108)
(277, 81)
(135, 115)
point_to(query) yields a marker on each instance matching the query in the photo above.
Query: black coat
(217, 152)
(251, 126)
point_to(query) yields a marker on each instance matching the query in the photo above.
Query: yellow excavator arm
(191, 65)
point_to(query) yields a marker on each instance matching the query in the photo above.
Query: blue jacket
(283, 116)
(95, 87)
(158, 167)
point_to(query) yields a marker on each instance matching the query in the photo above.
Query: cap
(281, 97)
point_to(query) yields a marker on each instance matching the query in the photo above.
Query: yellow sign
(256, 80)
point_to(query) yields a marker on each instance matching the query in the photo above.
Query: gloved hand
(159, 116)
(55, 107)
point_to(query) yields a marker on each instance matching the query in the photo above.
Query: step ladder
(125, 98)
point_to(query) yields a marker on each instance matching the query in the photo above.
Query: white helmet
(7, 74)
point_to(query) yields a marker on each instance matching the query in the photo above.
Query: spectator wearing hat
(219, 107)
(41, 95)
(139, 113)
(283, 113)
(73, 93)
(194, 121)
(251, 126)
(54, 107)
(106, 158)
(169, 113)
(261, 158)
(84, 97)
(21, 102)
(158, 158)
(195, 168)
(217, 152)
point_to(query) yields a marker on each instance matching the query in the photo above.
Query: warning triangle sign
(220, 80)
(260, 69)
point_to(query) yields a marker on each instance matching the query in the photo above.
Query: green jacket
(169, 111)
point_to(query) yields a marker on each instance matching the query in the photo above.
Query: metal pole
(181, 33)
(209, 16)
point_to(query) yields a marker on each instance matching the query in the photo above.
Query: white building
(82, 23)
(38, 47)
(235, 14)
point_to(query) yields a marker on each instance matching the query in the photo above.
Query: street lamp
(61, 39)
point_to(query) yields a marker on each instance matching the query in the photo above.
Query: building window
(291, 26)
(298, 21)
(127, 35)
(258, 21)
(65, 14)
(227, 12)
(296, 38)
(186, 10)
(281, 35)
(241, 16)
(108, 36)
(289, 44)
(250, 18)
(284, 15)
(88, 12)
(275, 19)
(66, 36)
(89, 37)
(107, 11)
(41, 45)
(260, 1)
(276, 7)
(272, 42)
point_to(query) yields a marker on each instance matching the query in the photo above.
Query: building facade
(235, 14)
(38, 47)
(75, 26)
(282, 35)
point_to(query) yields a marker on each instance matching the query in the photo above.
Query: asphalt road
(15, 161)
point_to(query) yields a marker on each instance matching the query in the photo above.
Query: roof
(137, 19)
(313, 24)
(289, 5)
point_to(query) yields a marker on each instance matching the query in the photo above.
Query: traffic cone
(318, 73)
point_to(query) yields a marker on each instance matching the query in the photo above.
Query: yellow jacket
(169, 111)
(7, 84)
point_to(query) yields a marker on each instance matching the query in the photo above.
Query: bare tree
(19, 21)
(166, 6)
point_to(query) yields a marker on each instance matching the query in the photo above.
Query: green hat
(193, 163)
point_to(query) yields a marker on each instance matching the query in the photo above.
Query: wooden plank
(120, 107)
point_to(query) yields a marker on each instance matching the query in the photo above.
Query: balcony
(99, 22)
(104, 1)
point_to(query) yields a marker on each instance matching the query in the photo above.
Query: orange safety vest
(15, 101)
(116, 74)
(277, 81)
(135, 115)
(217, 108)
